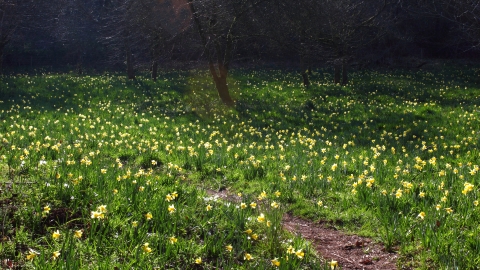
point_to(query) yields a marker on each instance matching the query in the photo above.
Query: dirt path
(350, 251)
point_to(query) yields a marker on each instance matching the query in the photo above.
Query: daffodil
(209, 207)
(421, 215)
(198, 260)
(248, 257)
(171, 209)
(275, 262)
(32, 254)
(261, 218)
(172, 240)
(146, 248)
(78, 234)
(229, 248)
(148, 216)
(56, 234)
(300, 254)
(333, 265)
(55, 255)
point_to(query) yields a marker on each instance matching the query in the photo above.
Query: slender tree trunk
(130, 70)
(337, 66)
(306, 81)
(344, 73)
(154, 70)
(221, 84)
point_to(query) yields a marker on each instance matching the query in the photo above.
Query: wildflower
(148, 216)
(97, 215)
(320, 203)
(290, 250)
(32, 254)
(46, 209)
(275, 262)
(229, 248)
(421, 194)
(172, 240)
(78, 234)
(209, 207)
(449, 210)
(146, 248)
(261, 218)
(421, 215)
(438, 207)
(300, 254)
(134, 224)
(398, 194)
(56, 234)
(253, 205)
(467, 187)
(334, 166)
(171, 209)
(55, 255)
(102, 209)
(243, 205)
(254, 236)
(169, 198)
(115, 191)
(475, 202)
(274, 204)
(248, 231)
(269, 223)
(262, 195)
(198, 260)
(333, 264)
(278, 193)
(248, 257)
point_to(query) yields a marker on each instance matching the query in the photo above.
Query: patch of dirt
(350, 251)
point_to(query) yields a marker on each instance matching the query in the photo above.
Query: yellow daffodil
(78, 234)
(171, 209)
(421, 215)
(248, 257)
(56, 234)
(172, 240)
(208, 208)
(198, 260)
(253, 205)
(55, 255)
(148, 216)
(229, 248)
(146, 248)
(333, 265)
(261, 218)
(275, 262)
(300, 254)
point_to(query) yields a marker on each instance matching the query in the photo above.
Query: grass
(113, 173)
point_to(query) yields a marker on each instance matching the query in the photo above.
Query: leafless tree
(218, 25)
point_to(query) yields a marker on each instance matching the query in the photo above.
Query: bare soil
(350, 251)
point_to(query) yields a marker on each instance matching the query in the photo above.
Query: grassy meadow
(99, 172)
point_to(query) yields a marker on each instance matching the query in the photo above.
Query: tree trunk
(344, 73)
(337, 69)
(306, 81)
(154, 70)
(221, 85)
(130, 70)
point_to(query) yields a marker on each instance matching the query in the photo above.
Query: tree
(218, 25)
(13, 15)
